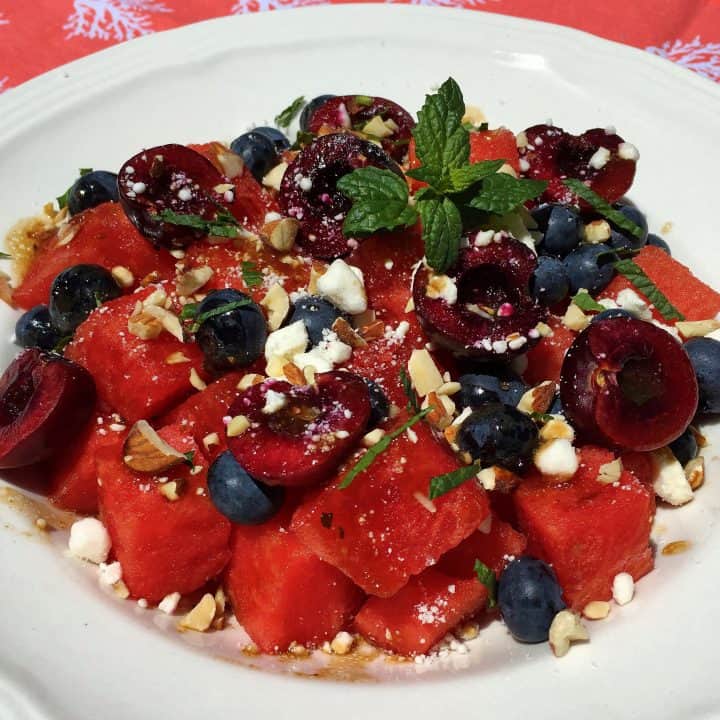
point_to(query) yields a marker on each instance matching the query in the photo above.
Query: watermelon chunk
(377, 531)
(692, 297)
(587, 531)
(131, 374)
(492, 548)
(282, 593)
(104, 237)
(546, 358)
(421, 613)
(497, 144)
(163, 546)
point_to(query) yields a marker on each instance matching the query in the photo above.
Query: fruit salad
(378, 385)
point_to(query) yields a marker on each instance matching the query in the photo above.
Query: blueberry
(76, 292)
(233, 338)
(529, 597)
(685, 448)
(557, 407)
(549, 283)
(257, 151)
(611, 313)
(317, 313)
(379, 404)
(310, 108)
(476, 389)
(275, 136)
(590, 267)
(622, 240)
(93, 188)
(34, 329)
(705, 357)
(657, 241)
(497, 434)
(561, 226)
(238, 496)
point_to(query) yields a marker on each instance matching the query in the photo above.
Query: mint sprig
(284, 118)
(603, 207)
(441, 484)
(380, 201)
(372, 453)
(441, 231)
(502, 193)
(412, 403)
(586, 302)
(636, 275)
(190, 312)
(486, 576)
(224, 224)
(251, 275)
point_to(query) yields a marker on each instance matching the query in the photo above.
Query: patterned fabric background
(37, 35)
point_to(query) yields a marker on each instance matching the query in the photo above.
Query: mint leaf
(364, 100)
(502, 193)
(372, 453)
(441, 231)
(406, 383)
(586, 302)
(541, 417)
(441, 484)
(441, 142)
(189, 312)
(5, 256)
(463, 177)
(190, 458)
(284, 119)
(487, 577)
(251, 275)
(635, 274)
(603, 207)
(380, 201)
(224, 224)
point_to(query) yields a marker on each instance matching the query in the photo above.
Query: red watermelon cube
(282, 593)
(163, 546)
(420, 614)
(104, 237)
(380, 530)
(133, 375)
(588, 531)
(497, 144)
(546, 358)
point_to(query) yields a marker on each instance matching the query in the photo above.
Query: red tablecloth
(37, 35)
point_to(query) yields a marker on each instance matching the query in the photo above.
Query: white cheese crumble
(89, 540)
(442, 287)
(274, 402)
(671, 484)
(556, 457)
(627, 151)
(110, 574)
(599, 159)
(343, 285)
(629, 300)
(287, 341)
(623, 588)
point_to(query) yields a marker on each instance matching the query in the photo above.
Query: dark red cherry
(309, 193)
(554, 155)
(171, 178)
(629, 384)
(492, 316)
(44, 402)
(299, 434)
(354, 112)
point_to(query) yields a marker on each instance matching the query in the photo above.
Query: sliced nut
(508, 170)
(121, 590)
(274, 177)
(373, 437)
(379, 128)
(177, 358)
(575, 319)
(474, 115)
(67, 232)
(364, 318)
(695, 472)
(677, 547)
(211, 439)
(249, 380)
(277, 304)
(122, 276)
(557, 429)
(231, 163)
(696, 328)
(196, 381)
(566, 628)
(293, 374)
(200, 618)
(610, 472)
(309, 373)
(170, 490)
(468, 632)
(345, 332)
(544, 329)
(441, 415)
(449, 388)
(425, 501)
(144, 325)
(168, 321)
(191, 281)
(280, 234)
(145, 451)
(342, 643)
(423, 372)
(538, 399)
(237, 426)
(410, 305)
(486, 477)
(220, 605)
(374, 331)
(316, 273)
(597, 231)
(505, 480)
(596, 610)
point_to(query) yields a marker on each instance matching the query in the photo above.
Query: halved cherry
(177, 179)
(489, 313)
(299, 434)
(309, 193)
(629, 384)
(600, 157)
(354, 112)
(44, 402)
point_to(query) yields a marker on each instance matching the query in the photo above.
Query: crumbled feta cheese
(442, 287)
(89, 540)
(556, 457)
(169, 603)
(344, 286)
(623, 588)
(600, 158)
(566, 628)
(109, 574)
(629, 300)
(627, 151)
(484, 238)
(287, 341)
(671, 483)
(274, 402)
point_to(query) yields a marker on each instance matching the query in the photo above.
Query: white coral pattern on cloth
(112, 19)
(250, 6)
(703, 58)
(3, 80)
